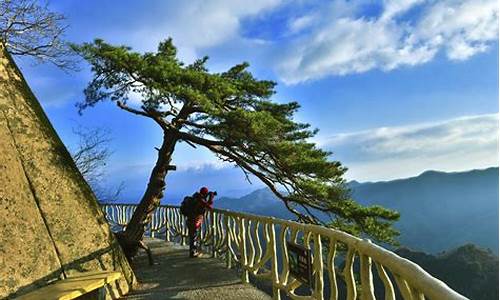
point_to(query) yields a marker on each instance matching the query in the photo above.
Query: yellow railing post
(367, 287)
(214, 233)
(274, 262)
(243, 250)
(183, 227)
(318, 267)
(332, 249)
(167, 224)
(228, 242)
(349, 275)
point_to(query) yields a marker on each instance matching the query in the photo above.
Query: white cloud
(225, 179)
(464, 29)
(393, 8)
(202, 165)
(395, 152)
(323, 38)
(301, 23)
(342, 42)
(371, 155)
(199, 24)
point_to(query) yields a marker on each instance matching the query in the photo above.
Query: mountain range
(439, 210)
(469, 270)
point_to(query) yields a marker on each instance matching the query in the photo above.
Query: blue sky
(395, 87)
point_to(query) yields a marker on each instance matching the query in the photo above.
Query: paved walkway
(175, 276)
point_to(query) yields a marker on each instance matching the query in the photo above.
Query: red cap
(204, 190)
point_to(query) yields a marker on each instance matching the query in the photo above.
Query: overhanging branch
(221, 151)
(132, 110)
(200, 141)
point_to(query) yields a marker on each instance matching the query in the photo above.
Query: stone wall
(50, 223)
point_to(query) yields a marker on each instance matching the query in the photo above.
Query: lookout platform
(176, 276)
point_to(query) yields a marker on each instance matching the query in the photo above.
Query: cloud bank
(198, 24)
(311, 40)
(397, 152)
(338, 39)
(371, 155)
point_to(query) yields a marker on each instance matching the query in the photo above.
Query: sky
(394, 87)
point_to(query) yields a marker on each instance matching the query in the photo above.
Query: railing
(342, 265)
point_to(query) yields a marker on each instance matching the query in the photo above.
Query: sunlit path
(175, 276)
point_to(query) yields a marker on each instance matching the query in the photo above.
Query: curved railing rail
(342, 265)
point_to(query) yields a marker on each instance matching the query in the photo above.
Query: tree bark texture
(154, 191)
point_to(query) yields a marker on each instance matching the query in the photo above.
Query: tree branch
(220, 150)
(200, 141)
(132, 110)
(30, 29)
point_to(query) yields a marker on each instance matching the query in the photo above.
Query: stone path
(178, 277)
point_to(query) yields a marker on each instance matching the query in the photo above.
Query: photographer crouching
(194, 208)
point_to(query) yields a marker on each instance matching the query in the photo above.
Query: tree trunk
(154, 193)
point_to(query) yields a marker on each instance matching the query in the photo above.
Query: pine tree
(232, 115)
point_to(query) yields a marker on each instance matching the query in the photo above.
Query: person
(195, 218)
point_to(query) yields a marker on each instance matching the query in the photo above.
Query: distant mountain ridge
(260, 202)
(439, 210)
(469, 270)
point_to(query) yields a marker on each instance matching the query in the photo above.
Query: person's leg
(192, 239)
(197, 243)
(197, 224)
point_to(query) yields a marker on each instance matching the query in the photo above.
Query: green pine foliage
(232, 114)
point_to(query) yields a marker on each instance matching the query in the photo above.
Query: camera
(215, 193)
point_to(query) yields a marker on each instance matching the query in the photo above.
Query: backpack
(188, 205)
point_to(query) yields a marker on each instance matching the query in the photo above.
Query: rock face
(50, 223)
